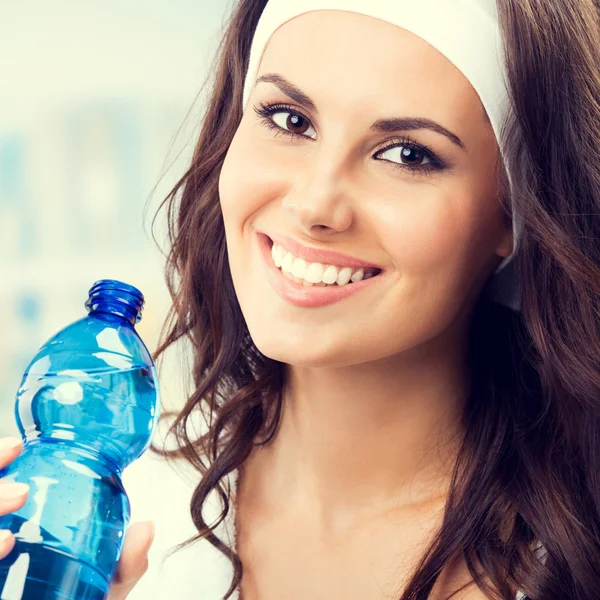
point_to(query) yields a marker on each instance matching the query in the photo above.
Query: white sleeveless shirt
(162, 492)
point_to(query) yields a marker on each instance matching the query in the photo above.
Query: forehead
(361, 62)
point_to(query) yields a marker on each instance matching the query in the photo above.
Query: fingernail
(13, 490)
(9, 443)
(4, 536)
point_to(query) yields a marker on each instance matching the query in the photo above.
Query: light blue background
(93, 100)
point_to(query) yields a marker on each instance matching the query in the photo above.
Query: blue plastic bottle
(87, 407)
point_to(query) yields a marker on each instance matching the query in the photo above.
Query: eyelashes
(266, 111)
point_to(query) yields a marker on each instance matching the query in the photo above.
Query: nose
(321, 198)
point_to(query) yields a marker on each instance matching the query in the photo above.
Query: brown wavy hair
(531, 453)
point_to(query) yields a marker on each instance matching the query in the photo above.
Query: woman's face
(416, 202)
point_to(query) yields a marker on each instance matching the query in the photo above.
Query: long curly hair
(531, 453)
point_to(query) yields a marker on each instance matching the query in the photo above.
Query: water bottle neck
(70, 447)
(109, 296)
(113, 314)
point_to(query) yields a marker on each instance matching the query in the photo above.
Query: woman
(425, 430)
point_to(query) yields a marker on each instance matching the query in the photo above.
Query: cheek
(436, 240)
(235, 180)
(249, 177)
(424, 230)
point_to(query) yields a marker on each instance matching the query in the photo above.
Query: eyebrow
(380, 126)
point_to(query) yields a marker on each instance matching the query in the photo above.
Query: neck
(365, 438)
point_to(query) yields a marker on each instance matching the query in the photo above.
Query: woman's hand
(12, 495)
(138, 539)
(134, 559)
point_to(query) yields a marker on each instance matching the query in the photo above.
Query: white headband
(464, 31)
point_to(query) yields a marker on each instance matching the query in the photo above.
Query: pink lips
(301, 295)
(326, 257)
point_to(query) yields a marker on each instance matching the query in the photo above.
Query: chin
(289, 349)
(311, 350)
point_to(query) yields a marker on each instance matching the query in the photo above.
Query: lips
(307, 296)
(326, 257)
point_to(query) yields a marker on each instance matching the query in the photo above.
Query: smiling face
(420, 203)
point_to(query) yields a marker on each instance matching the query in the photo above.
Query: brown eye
(406, 154)
(296, 123)
(291, 122)
(412, 155)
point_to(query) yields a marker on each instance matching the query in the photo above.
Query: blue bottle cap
(117, 298)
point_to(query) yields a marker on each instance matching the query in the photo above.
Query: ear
(505, 245)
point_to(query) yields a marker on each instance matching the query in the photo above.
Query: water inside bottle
(33, 572)
(108, 410)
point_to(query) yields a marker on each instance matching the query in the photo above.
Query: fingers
(12, 495)
(7, 542)
(134, 559)
(10, 448)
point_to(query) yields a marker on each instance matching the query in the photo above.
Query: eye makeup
(409, 148)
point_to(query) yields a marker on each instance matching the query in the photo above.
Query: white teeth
(276, 254)
(330, 274)
(314, 273)
(318, 274)
(344, 276)
(299, 268)
(358, 275)
(286, 263)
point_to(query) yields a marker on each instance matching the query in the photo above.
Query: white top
(161, 492)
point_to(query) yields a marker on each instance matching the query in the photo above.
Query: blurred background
(98, 113)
